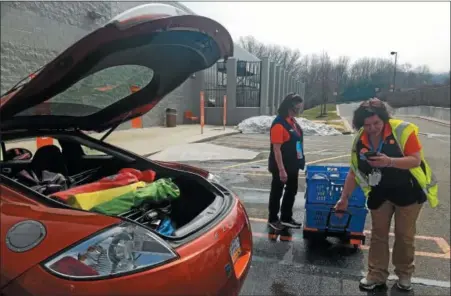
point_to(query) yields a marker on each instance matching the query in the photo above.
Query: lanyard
(295, 128)
(381, 143)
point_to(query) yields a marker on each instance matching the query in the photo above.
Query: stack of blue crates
(324, 184)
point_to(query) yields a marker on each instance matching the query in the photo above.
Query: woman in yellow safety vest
(387, 162)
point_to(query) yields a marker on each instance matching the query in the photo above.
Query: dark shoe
(369, 285)
(275, 225)
(404, 284)
(292, 224)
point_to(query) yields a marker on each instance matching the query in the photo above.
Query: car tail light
(119, 250)
(71, 266)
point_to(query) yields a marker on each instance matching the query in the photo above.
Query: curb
(216, 137)
(206, 139)
(337, 110)
(348, 128)
(438, 121)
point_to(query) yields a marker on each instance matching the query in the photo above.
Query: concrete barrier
(439, 113)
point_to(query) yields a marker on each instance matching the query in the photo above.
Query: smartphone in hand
(370, 154)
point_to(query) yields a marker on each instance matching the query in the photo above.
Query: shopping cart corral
(324, 185)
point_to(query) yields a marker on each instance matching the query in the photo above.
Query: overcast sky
(418, 31)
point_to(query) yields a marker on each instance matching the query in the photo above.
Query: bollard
(224, 115)
(136, 122)
(202, 114)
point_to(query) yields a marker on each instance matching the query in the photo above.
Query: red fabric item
(147, 176)
(124, 177)
(109, 182)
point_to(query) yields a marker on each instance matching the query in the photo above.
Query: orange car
(49, 247)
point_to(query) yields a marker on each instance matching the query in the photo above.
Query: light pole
(394, 71)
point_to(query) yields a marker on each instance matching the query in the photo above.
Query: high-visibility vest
(423, 174)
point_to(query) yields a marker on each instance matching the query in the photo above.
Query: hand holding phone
(370, 154)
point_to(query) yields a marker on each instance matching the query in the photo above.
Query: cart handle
(328, 177)
(333, 211)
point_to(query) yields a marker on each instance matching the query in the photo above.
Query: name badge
(299, 150)
(374, 178)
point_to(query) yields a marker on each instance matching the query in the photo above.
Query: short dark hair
(291, 100)
(367, 109)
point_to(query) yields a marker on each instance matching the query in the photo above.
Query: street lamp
(394, 71)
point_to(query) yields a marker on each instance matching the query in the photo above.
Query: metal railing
(215, 85)
(248, 86)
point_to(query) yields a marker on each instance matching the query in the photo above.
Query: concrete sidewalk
(147, 141)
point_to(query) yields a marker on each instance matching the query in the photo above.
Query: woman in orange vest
(285, 159)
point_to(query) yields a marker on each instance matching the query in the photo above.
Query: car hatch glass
(95, 92)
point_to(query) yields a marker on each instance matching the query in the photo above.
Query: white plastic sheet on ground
(262, 125)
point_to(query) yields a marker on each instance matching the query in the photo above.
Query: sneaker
(368, 285)
(292, 224)
(275, 225)
(404, 284)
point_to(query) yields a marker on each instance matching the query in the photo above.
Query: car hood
(118, 72)
(62, 228)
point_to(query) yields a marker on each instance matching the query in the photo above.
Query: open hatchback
(88, 85)
(115, 223)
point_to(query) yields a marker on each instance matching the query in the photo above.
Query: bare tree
(322, 77)
(340, 69)
(325, 76)
(252, 45)
(285, 57)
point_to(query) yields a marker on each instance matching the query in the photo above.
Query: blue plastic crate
(325, 183)
(334, 170)
(316, 217)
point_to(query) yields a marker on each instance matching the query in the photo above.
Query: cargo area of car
(92, 177)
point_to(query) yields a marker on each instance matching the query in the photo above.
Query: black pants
(291, 189)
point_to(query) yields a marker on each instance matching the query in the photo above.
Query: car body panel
(205, 267)
(64, 227)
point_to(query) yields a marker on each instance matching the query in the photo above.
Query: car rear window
(95, 92)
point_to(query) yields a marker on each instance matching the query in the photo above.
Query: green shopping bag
(158, 191)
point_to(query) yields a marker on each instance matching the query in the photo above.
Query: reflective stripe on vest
(361, 179)
(401, 132)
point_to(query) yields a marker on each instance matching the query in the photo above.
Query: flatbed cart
(324, 184)
(342, 232)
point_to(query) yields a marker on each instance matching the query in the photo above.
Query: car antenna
(114, 127)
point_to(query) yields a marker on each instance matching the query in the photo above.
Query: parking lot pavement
(295, 267)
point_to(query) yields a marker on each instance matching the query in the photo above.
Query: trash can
(171, 117)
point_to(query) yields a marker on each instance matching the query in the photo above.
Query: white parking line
(262, 160)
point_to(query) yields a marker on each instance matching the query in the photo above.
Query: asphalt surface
(297, 267)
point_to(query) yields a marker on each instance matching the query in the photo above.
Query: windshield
(95, 92)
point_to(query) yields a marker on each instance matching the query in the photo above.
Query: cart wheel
(355, 248)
